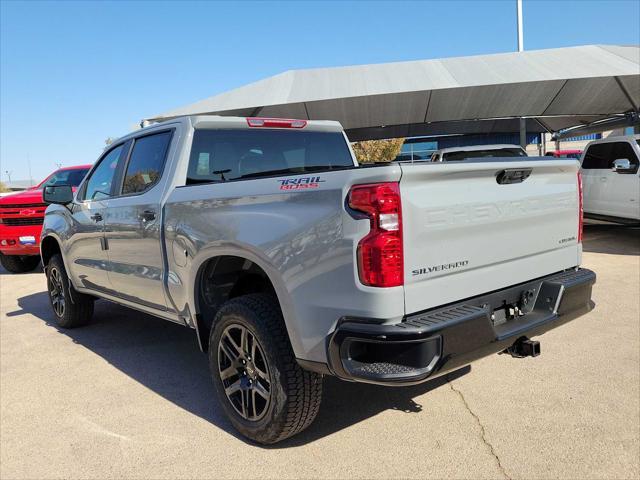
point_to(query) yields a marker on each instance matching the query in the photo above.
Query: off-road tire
(19, 263)
(77, 308)
(295, 394)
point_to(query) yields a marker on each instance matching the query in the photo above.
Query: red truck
(21, 217)
(564, 154)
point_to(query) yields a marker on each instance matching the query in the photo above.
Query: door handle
(96, 217)
(603, 179)
(148, 215)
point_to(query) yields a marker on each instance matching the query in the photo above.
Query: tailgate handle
(512, 175)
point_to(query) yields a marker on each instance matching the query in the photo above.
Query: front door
(86, 254)
(133, 224)
(622, 188)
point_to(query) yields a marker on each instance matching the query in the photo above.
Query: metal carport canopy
(555, 88)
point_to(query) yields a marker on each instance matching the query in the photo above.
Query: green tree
(370, 151)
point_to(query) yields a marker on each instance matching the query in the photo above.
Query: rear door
(86, 254)
(596, 174)
(133, 223)
(477, 226)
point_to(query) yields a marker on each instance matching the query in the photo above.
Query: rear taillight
(580, 207)
(276, 122)
(380, 253)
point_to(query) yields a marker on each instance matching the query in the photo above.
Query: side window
(99, 183)
(625, 150)
(598, 157)
(146, 162)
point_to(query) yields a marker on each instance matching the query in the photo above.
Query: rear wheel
(70, 307)
(263, 390)
(19, 263)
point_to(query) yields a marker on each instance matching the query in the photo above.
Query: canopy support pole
(523, 132)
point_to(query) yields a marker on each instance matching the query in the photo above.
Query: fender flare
(247, 252)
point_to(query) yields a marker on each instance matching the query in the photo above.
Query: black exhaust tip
(524, 347)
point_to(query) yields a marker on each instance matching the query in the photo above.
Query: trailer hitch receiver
(524, 347)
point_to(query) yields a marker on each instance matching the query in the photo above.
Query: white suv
(611, 179)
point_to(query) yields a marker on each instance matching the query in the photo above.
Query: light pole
(523, 121)
(519, 12)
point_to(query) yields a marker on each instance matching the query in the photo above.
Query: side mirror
(59, 194)
(622, 165)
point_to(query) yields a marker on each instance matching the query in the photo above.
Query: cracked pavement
(129, 396)
(483, 433)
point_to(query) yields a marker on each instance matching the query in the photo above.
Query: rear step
(438, 341)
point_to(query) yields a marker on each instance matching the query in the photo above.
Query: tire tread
(303, 388)
(19, 263)
(78, 306)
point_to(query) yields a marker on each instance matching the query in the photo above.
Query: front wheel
(263, 390)
(71, 308)
(19, 263)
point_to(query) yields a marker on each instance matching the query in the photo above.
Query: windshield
(71, 177)
(501, 152)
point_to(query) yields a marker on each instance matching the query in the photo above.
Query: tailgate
(473, 227)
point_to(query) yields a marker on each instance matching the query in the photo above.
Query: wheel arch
(49, 246)
(233, 273)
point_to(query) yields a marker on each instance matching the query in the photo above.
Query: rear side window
(602, 155)
(223, 155)
(598, 157)
(146, 162)
(502, 152)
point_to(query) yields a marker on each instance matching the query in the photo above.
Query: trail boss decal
(440, 268)
(300, 183)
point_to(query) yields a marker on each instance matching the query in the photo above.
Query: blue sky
(73, 74)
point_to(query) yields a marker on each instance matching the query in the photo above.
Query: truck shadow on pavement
(165, 358)
(612, 239)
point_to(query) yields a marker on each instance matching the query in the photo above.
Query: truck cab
(611, 178)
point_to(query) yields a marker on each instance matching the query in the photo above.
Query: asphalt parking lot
(129, 396)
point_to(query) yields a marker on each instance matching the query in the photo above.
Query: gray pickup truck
(292, 262)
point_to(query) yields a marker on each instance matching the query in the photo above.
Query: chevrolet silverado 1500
(291, 262)
(21, 217)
